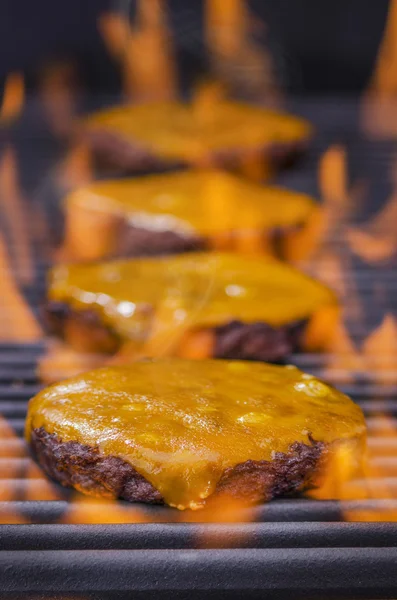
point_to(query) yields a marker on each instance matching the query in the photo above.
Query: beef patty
(85, 468)
(188, 211)
(206, 304)
(116, 154)
(85, 331)
(185, 432)
(147, 136)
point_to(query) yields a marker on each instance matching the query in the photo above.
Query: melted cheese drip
(175, 130)
(181, 424)
(196, 202)
(190, 290)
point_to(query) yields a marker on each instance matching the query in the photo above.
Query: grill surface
(301, 545)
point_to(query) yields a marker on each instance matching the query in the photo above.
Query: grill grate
(298, 544)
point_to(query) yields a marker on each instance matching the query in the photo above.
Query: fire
(235, 58)
(380, 101)
(376, 488)
(13, 97)
(115, 31)
(17, 321)
(370, 494)
(20, 477)
(333, 177)
(144, 50)
(58, 90)
(61, 362)
(90, 510)
(331, 261)
(380, 351)
(77, 168)
(376, 241)
(13, 206)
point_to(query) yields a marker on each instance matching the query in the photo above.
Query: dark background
(318, 45)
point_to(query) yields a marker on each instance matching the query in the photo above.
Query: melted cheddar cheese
(195, 202)
(182, 423)
(192, 132)
(164, 297)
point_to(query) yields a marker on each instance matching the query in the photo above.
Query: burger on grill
(188, 211)
(184, 432)
(207, 132)
(190, 305)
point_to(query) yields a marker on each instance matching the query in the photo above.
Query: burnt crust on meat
(234, 340)
(114, 153)
(258, 341)
(83, 467)
(117, 153)
(76, 465)
(83, 329)
(137, 241)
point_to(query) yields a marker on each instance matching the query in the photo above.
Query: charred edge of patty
(83, 467)
(133, 241)
(235, 340)
(114, 152)
(258, 341)
(84, 330)
(137, 241)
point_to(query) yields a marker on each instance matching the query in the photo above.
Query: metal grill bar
(202, 536)
(310, 570)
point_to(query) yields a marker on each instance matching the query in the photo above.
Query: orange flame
(91, 510)
(12, 204)
(236, 60)
(115, 31)
(20, 478)
(376, 242)
(58, 92)
(380, 100)
(17, 321)
(77, 169)
(61, 362)
(376, 483)
(380, 351)
(145, 51)
(13, 97)
(333, 181)
(329, 262)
